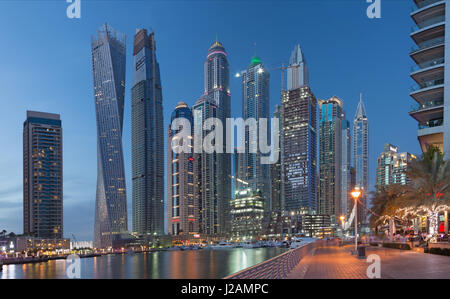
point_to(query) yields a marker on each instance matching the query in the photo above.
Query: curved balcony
(427, 65)
(429, 73)
(428, 33)
(427, 111)
(427, 54)
(421, 5)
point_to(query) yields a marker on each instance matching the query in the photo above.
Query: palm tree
(430, 188)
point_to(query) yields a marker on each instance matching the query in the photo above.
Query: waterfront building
(282, 224)
(298, 143)
(430, 73)
(108, 67)
(255, 105)
(42, 176)
(182, 208)
(391, 167)
(217, 96)
(330, 158)
(206, 175)
(147, 138)
(247, 213)
(361, 157)
(275, 171)
(346, 179)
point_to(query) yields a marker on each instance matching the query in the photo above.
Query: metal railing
(429, 104)
(427, 84)
(277, 267)
(429, 43)
(427, 64)
(431, 123)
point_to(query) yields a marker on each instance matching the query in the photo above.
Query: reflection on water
(164, 264)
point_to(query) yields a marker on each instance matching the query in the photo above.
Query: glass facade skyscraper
(42, 176)
(330, 158)
(108, 66)
(206, 172)
(147, 137)
(275, 170)
(298, 146)
(182, 207)
(217, 94)
(346, 165)
(255, 105)
(361, 156)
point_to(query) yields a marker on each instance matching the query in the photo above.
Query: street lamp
(356, 193)
(342, 231)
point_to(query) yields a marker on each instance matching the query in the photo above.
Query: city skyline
(86, 196)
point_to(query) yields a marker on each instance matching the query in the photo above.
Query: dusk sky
(45, 65)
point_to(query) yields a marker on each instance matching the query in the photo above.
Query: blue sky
(45, 65)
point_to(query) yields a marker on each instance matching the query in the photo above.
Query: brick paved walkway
(333, 262)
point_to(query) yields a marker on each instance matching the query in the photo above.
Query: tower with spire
(256, 105)
(361, 156)
(212, 172)
(297, 73)
(298, 139)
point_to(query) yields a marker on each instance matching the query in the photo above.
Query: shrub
(437, 250)
(401, 246)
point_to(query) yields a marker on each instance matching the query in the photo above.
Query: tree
(386, 202)
(430, 187)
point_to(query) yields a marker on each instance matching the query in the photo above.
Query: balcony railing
(429, 43)
(429, 22)
(427, 64)
(427, 84)
(427, 105)
(422, 4)
(431, 123)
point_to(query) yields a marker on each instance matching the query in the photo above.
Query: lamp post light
(356, 193)
(342, 231)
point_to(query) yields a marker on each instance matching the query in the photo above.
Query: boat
(251, 245)
(222, 245)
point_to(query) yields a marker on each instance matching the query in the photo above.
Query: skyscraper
(431, 73)
(361, 156)
(275, 171)
(299, 149)
(346, 179)
(391, 167)
(182, 208)
(42, 176)
(206, 174)
(147, 137)
(330, 158)
(217, 93)
(108, 66)
(255, 105)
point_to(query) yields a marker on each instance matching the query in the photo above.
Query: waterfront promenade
(333, 262)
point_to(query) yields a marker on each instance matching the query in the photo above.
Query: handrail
(277, 267)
